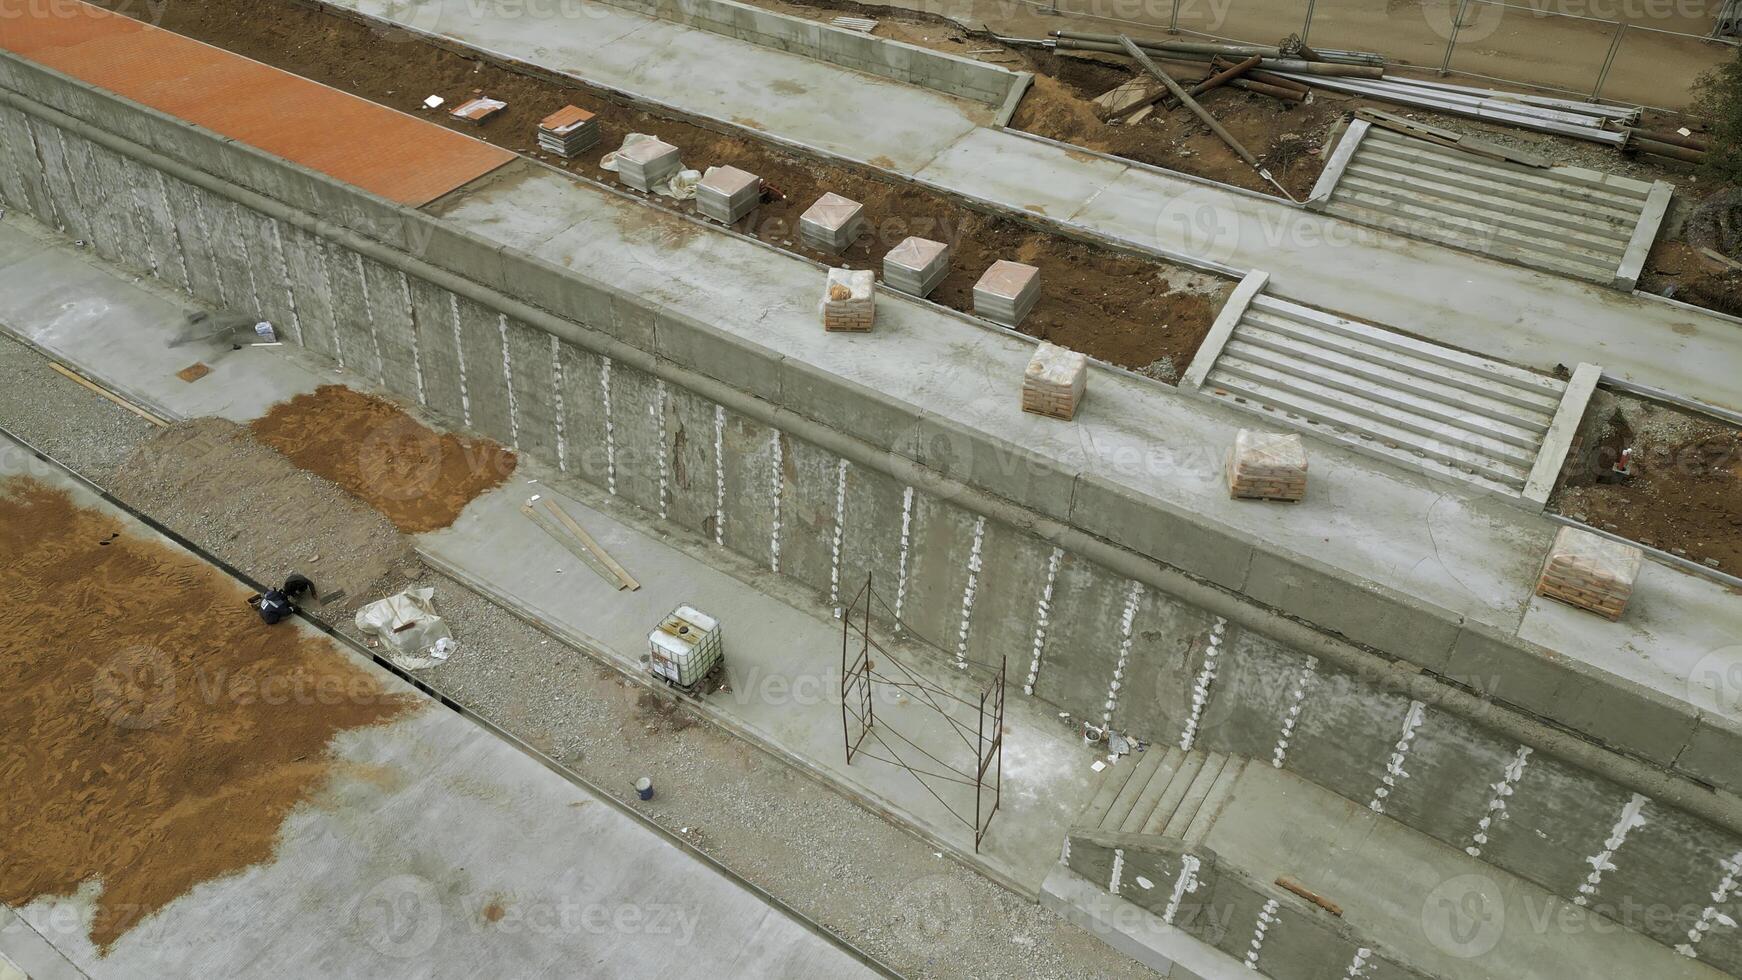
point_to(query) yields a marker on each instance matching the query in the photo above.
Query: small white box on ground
(1007, 292)
(1590, 571)
(727, 194)
(1055, 381)
(849, 300)
(916, 266)
(647, 164)
(832, 224)
(684, 648)
(1267, 466)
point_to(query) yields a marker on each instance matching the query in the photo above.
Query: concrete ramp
(1389, 395)
(1568, 220)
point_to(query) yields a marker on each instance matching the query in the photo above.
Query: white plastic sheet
(407, 625)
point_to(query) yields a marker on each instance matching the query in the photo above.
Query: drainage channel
(461, 709)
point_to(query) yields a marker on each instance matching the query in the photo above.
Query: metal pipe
(1718, 807)
(1614, 46)
(1186, 99)
(1319, 68)
(1657, 148)
(1307, 28)
(1492, 110)
(1197, 47)
(1265, 88)
(1452, 39)
(1673, 139)
(1217, 80)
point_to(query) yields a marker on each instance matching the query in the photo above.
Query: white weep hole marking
(839, 534)
(333, 304)
(247, 258)
(1201, 687)
(369, 315)
(1394, 770)
(459, 356)
(1042, 617)
(720, 475)
(1711, 916)
(556, 386)
(1133, 592)
(1632, 815)
(416, 351)
(514, 403)
(901, 561)
(73, 185)
(1358, 965)
(205, 229)
(968, 592)
(290, 295)
(1497, 804)
(56, 209)
(1266, 916)
(610, 425)
(1291, 718)
(1185, 884)
(181, 258)
(1118, 870)
(660, 396)
(135, 195)
(776, 484)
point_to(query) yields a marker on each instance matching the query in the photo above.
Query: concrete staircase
(1163, 791)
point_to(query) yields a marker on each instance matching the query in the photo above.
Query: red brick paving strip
(394, 155)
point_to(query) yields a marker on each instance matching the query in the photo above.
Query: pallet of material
(1267, 466)
(646, 164)
(1591, 572)
(568, 132)
(849, 301)
(832, 224)
(727, 194)
(1054, 382)
(916, 266)
(1007, 292)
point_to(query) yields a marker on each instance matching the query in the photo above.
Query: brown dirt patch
(211, 481)
(1282, 135)
(1109, 304)
(1687, 495)
(143, 749)
(418, 478)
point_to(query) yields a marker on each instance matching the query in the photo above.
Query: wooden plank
(571, 544)
(106, 393)
(593, 546)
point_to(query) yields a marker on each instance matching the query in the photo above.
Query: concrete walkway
(391, 872)
(783, 654)
(1455, 298)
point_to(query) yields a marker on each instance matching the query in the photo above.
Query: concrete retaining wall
(1275, 933)
(542, 359)
(909, 63)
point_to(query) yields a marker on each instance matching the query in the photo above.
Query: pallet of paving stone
(1591, 572)
(1267, 466)
(849, 301)
(479, 109)
(1054, 382)
(1007, 292)
(916, 266)
(568, 132)
(646, 164)
(727, 194)
(832, 224)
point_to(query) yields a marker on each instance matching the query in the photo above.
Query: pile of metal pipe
(1230, 49)
(1478, 104)
(1204, 51)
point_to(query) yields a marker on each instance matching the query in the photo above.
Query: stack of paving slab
(1267, 466)
(1007, 292)
(849, 300)
(727, 194)
(1055, 381)
(568, 132)
(646, 164)
(479, 109)
(832, 224)
(1591, 572)
(916, 266)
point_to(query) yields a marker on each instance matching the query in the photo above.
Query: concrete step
(1142, 769)
(1113, 780)
(1171, 758)
(1178, 785)
(1221, 791)
(1195, 795)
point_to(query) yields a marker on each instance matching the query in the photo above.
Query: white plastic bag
(609, 162)
(407, 625)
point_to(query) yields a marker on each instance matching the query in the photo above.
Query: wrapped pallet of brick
(849, 300)
(1054, 382)
(1267, 466)
(1590, 571)
(832, 224)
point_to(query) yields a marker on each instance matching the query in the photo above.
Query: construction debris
(1591, 572)
(1055, 381)
(849, 300)
(727, 194)
(916, 266)
(832, 224)
(568, 132)
(1007, 292)
(407, 625)
(1267, 466)
(479, 109)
